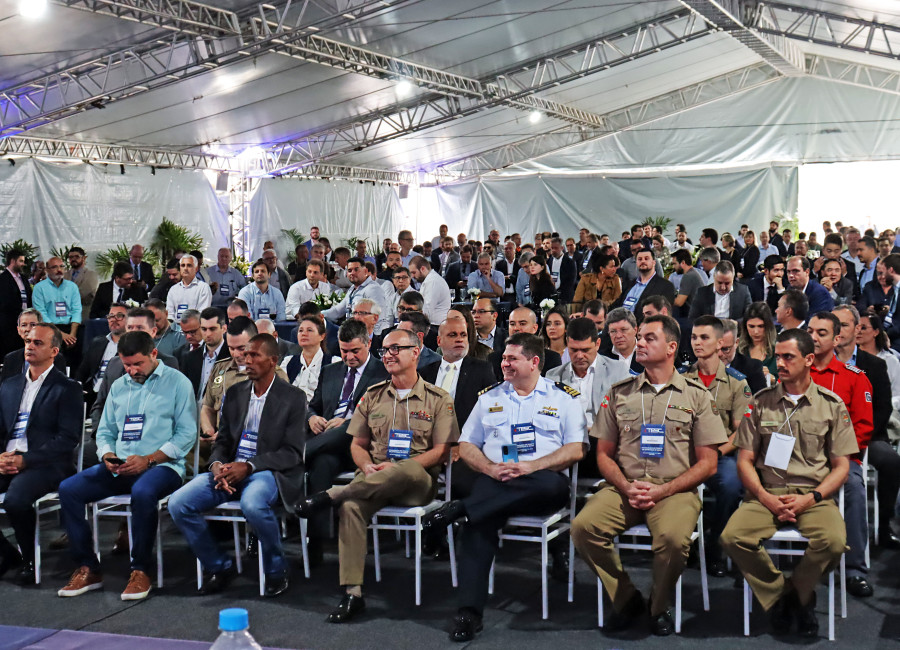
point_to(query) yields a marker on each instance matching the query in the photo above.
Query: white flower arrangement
(132, 304)
(324, 301)
(474, 292)
(547, 304)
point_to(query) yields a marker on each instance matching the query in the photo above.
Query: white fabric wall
(341, 209)
(613, 204)
(97, 207)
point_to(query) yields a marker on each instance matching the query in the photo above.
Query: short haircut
(13, 254)
(370, 268)
(582, 329)
(833, 261)
(374, 307)
(466, 249)
(132, 343)
(729, 325)
(420, 262)
(351, 330)
(682, 256)
(637, 227)
(268, 344)
(484, 256)
(30, 310)
(188, 315)
(140, 312)
(240, 304)
(532, 346)
(56, 339)
(724, 267)
(709, 254)
(265, 326)
(309, 308)
(712, 234)
(419, 321)
(804, 262)
(317, 263)
(213, 312)
(259, 262)
(343, 250)
(831, 318)
(892, 262)
(645, 250)
(797, 302)
(658, 302)
(121, 269)
(869, 242)
(594, 307)
(853, 312)
(155, 303)
(399, 269)
(357, 260)
(242, 325)
(184, 257)
(620, 314)
(804, 340)
(670, 326)
(708, 320)
(172, 264)
(413, 299)
(833, 238)
(770, 262)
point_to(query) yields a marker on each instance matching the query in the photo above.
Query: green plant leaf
(295, 237)
(62, 252)
(104, 262)
(30, 251)
(170, 237)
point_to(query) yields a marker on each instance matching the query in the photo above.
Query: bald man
(523, 319)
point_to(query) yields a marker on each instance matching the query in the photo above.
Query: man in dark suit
(751, 368)
(457, 274)
(637, 234)
(562, 270)
(257, 457)
(798, 275)
(341, 385)
(648, 283)
(523, 319)
(143, 272)
(15, 295)
(198, 364)
(723, 294)
(832, 246)
(40, 426)
(771, 280)
(444, 256)
(120, 289)
(14, 362)
(99, 352)
(484, 314)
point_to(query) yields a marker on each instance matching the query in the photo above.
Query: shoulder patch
(567, 389)
(850, 366)
(737, 374)
(491, 387)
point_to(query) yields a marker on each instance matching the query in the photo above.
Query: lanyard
(787, 419)
(394, 416)
(665, 413)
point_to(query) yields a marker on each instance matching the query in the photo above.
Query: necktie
(447, 383)
(121, 294)
(137, 271)
(348, 388)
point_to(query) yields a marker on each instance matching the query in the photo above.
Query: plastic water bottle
(235, 624)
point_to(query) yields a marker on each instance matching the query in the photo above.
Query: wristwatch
(151, 463)
(719, 452)
(817, 496)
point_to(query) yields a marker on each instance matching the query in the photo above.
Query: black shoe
(25, 576)
(252, 546)
(662, 624)
(349, 607)
(275, 586)
(858, 586)
(11, 561)
(435, 523)
(618, 621)
(888, 541)
(807, 623)
(717, 568)
(312, 504)
(782, 613)
(216, 581)
(559, 566)
(466, 624)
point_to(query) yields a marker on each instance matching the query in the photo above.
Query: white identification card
(779, 452)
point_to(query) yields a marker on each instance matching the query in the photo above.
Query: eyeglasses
(115, 317)
(395, 349)
(361, 313)
(186, 332)
(482, 311)
(402, 309)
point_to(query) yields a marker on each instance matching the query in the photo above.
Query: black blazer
(474, 376)
(568, 277)
(551, 360)
(146, 275)
(10, 308)
(90, 361)
(876, 371)
(757, 288)
(192, 364)
(873, 294)
(500, 336)
(282, 435)
(103, 298)
(458, 272)
(14, 364)
(752, 368)
(704, 301)
(658, 286)
(748, 261)
(331, 383)
(510, 269)
(54, 426)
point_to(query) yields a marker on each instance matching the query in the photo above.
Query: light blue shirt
(230, 283)
(167, 403)
(523, 295)
(635, 293)
(866, 275)
(272, 300)
(170, 341)
(478, 281)
(549, 408)
(58, 305)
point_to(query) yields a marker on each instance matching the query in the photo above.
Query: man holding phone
(521, 436)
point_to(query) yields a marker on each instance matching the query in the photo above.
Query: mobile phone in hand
(510, 454)
(113, 460)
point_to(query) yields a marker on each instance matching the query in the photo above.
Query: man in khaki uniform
(657, 436)
(731, 394)
(402, 431)
(794, 444)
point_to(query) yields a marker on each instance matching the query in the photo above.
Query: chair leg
(877, 518)
(704, 578)
(678, 606)
(376, 548)
(199, 576)
(451, 545)
(491, 579)
(545, 605)
(599, 602)
(37, 544)
(96, 519)
(304, 546)
(159, 551)
(262, 573)
(748, 602)
(831, 606)
(418, 558)
(843, 586)
(571, 594)
(237, 546)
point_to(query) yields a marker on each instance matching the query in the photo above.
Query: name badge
(181, 309)
(265, 313)
(555, 276)
(524, 438)
(888, 320)
(527, 292)
(247, 446)
(781, 446)
(24, 296)
(224, 290)
(653, 440)
(21, 424)
(399, 444)
(343, 407)
(102, 370)
(134, 428)
(61, 309)
(629, 303)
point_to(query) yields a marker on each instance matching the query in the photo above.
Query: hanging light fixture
(33, 9)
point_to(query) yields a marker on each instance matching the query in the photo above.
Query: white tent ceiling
(217, 78)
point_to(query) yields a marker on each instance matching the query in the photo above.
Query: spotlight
(33, 9)
(404, 88)
(535, 116)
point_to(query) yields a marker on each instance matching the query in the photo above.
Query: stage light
(404, 88)
(33, 9)
(535, 116)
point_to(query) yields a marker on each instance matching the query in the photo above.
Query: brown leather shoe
(138, 586)
(83, 580)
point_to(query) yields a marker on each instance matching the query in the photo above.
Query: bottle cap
(234, 619)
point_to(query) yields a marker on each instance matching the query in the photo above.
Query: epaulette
(378, 385)
(737, 374)
(622, 382)
(696, 383)
(567, 389)
(850, 366)
(492, 387)
(221, 363)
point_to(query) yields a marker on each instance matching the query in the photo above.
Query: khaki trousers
(671, 523)
(405, 483)
(752, 524)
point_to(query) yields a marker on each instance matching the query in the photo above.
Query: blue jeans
(258, 493)
(728, 490)
(97, 483)
(856, 518)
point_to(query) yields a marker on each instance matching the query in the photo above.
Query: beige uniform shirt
(224, 375)
(729, 391)
(683, 405)
(819, 422)
(427, 411)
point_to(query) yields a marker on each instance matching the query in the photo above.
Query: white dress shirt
(308, 378)
(723, 304)
(442, 374)
(28, 395)
(195, 295)
(301, 292)
(437, 298)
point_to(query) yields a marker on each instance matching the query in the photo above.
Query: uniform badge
(496, 408)
(715, 409)
(549, 410)
(422, 415)
(218, 380)
(749, 411)
(869, 397)
(605, 403)
(747, 392)
(845, 417)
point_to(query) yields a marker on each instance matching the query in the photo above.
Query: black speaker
(222, 182)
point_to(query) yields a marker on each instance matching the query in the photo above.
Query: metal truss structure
(854, 74)
(615, 122)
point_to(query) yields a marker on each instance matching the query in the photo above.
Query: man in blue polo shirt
(59, 302)
(263, 300)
